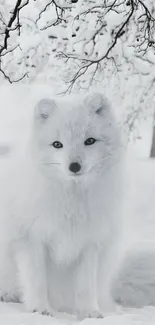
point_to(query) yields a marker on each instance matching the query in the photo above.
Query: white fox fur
(59, 231)
(134, 284)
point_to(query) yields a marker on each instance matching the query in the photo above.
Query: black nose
(74, 167)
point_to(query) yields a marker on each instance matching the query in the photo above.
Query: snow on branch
(12, 25)
(92, 53)
(59, 11)
(91, 34)
(14, 18)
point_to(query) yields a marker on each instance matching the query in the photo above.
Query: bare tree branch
(14, 17)
(59, 10)
(43, 10)
(147, 34)
(87, 63)
(10, 80)
(131, 12)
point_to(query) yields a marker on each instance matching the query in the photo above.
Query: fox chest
(69, 224)
(65, 247)
(70, 233)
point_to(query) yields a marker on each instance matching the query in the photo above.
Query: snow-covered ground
(14, 315)
(139, 204)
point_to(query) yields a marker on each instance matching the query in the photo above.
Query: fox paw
(45, 312)
(41, 308)
(91, 314)
(95, 314)
(9, 298)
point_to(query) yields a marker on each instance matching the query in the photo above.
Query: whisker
(51, 163)
(108, 155)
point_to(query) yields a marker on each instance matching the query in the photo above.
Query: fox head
(76, 137)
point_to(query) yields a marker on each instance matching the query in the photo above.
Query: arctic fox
(67, 221)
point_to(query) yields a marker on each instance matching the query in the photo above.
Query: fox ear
(45, 108)
(96, 102)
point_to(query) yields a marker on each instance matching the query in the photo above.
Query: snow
(140, 145)
(13, 314)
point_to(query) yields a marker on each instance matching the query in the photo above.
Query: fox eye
(89, 141)
(57, 144)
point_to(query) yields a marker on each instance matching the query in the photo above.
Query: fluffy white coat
(59, 233)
